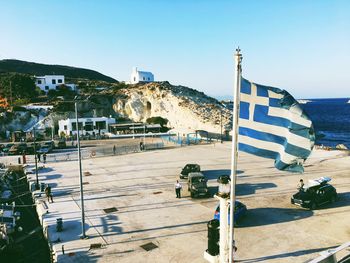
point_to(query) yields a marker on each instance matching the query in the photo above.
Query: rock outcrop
(187, 110)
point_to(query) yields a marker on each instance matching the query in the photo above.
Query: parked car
(197, 184)
(17, 149)
(315, 194)
(240, 211)
(61, 144)
(30, 147)
(50, 145)
(189, 168)
(13, 150)
(44, 149)
(7, 147)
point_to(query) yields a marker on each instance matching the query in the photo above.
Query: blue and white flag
(272, 125)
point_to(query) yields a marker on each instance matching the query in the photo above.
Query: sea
(331, 120)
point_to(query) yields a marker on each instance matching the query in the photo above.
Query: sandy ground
(141, 187)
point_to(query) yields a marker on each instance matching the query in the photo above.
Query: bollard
(19, 160)
(63, 249)
(59, 224)
(42, 187)
(213, 237)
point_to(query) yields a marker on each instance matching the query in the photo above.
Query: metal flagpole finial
(238, 51)
(238, 54)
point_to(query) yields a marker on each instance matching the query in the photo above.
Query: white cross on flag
(272, 125)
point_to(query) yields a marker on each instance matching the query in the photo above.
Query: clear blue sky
(301, 46)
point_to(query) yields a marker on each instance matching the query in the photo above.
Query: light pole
(36, 161)
(144, 135)
(133, 130)
(223, 195)
(80, 171)
(221, 125)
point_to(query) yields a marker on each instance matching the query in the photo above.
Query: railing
(86, 153)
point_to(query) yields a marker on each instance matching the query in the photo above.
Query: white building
(141, 76)
(51, 82)
(87, 126)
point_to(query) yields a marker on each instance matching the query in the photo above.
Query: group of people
(38, 156)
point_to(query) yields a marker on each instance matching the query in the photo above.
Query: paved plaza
(138, 190)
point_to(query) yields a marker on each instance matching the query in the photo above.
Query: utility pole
(144, 134)
(221, 125)
(36, 161)
(80, 173)
(11, 101)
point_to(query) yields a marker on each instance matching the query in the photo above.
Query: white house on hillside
(141, 76)
(51, 82)
(91, 126)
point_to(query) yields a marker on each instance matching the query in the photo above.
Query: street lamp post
(221, 125)
(223, 196)
(80, 173)
(36, 161)
(144, 135)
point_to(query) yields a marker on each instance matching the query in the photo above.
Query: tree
(65, 91)
(159, 120)
(15, 86)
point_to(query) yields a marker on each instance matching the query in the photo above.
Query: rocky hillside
(31, 68)
(186, 109)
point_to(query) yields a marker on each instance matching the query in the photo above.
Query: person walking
(44, 157)
(301, 184)
(114, 149)
(48, 193)
(24, 157)
(178, 188)
(38, 155)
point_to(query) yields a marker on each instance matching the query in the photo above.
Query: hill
(19, 66)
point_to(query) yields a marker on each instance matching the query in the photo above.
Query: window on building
(134, 78)
(89, 126)
(53, 81)
(143, 78)
(100, 125)
(39, 81)
(65, 127)
(59, 81)
(149, 79)
(74, 126)
(46, 87)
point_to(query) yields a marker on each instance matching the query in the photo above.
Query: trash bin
(213, 237)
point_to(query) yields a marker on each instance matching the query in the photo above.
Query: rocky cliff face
(186, 109)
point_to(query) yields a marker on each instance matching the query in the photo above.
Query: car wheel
(313, 206)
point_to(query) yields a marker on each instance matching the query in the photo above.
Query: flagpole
(234, 153)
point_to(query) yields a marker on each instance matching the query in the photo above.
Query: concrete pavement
(140, 188)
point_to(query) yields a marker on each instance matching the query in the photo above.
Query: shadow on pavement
(214, 174)
(285, 255)
(52, 176)
(342, 201)
(248, 189)
(273, 215)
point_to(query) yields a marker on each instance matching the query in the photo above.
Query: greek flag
(272, 125)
